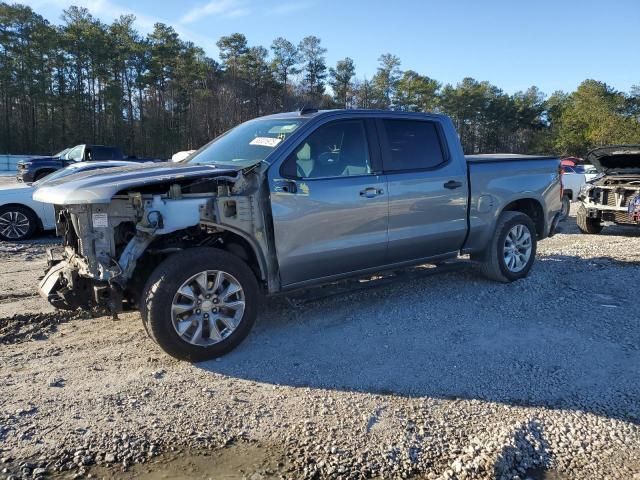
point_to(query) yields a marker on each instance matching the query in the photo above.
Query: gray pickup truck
(285, 202)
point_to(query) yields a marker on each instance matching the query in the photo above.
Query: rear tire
(590, 226)
(17, 223)
(512, 250)
(184, 323)
(566, 208)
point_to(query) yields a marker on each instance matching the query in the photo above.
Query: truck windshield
(246, 144)
(61, 153)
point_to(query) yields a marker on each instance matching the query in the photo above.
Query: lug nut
(198, 312)
(206, 315)
(215, 310)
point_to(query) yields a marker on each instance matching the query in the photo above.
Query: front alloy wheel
(208, 307)
(200, 303)
(17, 223)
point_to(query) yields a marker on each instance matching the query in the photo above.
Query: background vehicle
(36, 168)
(21, 216)
(614, 195)
(179, 156)
(574, 177)
(285, 202)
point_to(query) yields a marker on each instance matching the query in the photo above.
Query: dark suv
(34, 169)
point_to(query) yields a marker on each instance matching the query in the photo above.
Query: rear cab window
(411, 145)
(102, 153)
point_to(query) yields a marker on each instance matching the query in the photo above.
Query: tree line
(85, 81)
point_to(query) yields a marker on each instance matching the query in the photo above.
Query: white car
(21, 216)
(573, 178)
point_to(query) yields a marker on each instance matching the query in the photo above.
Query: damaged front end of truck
(118, 225)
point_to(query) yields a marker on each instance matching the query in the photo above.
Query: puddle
(241, 461)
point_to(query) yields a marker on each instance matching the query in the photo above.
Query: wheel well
(225, 240)
(240, 247)
(25, 207)
(43, 172)
(532, 208)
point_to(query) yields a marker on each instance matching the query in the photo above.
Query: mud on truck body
(282, 203)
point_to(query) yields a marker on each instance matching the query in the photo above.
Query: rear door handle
(371, 192)
(451, 184)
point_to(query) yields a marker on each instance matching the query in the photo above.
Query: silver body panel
(100, 187)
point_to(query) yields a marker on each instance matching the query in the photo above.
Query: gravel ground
(447, 376)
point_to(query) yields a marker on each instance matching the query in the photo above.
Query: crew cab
(614, 195)
(285, 202)
(34, 169)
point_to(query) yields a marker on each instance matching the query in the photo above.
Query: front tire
(200, 303)
(17, 223)
(512, 250)
(590, 226)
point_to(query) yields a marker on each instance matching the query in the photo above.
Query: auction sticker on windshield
(265, 141)
(100, 220)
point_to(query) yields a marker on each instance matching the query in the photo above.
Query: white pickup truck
(574, 177)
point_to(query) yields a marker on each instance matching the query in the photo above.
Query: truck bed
(497, 180)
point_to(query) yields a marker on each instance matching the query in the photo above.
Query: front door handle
(451, 184)
(370, 192)
(285, 186)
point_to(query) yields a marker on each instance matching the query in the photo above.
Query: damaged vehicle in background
(285, 202)
(614, 195)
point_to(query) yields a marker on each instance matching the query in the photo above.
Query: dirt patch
(35, 326)
(447, 376)
(236, 462)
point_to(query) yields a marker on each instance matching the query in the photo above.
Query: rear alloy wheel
(517, 248)
(200, 303)
(17, 223)
(512, 250)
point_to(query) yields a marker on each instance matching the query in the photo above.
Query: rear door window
(411, 145)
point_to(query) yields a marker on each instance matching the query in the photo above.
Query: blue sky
(513, 44)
